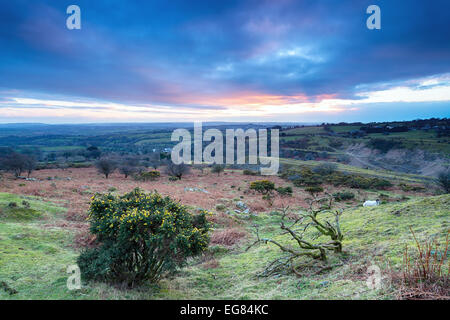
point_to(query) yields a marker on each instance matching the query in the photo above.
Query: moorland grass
(34, 258)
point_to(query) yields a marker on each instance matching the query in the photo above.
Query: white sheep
(371, 203)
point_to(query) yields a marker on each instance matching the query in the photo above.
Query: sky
(178, 61)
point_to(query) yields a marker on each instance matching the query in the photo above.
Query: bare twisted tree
(297, 229)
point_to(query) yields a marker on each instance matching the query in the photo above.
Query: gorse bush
(248, 172)
(314, 190)
(308, 181)
(309, 178)
(304, 177)
(358, 182)
(285, 191)
(379, 184)
(262, 186)
(149, 176)
(407, 187)
(344, 195)
(153, 175)
(325, 168)
(141, 236)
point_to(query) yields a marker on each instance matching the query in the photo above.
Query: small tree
(17, 163)
(177, 170)
(200, 167)
(262, 186)
(30, 165)
(308, 244)
(443, 180)
(155, 160)
(106, 166)
(141, 237)
(127, 170)
(314, 190)
(217, 168)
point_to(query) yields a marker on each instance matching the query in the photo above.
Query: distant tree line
(382, 129)
(430, 123)
(129, 165)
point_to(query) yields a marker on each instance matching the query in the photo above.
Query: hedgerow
(305, 177)
(344, 195)
(285, 191)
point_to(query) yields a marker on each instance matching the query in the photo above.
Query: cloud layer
(222, 60)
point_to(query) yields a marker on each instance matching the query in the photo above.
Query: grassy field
(33, 254)
(43, 220)
(304, 130)
(396, 176)
(36, 250)
(414, 139)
